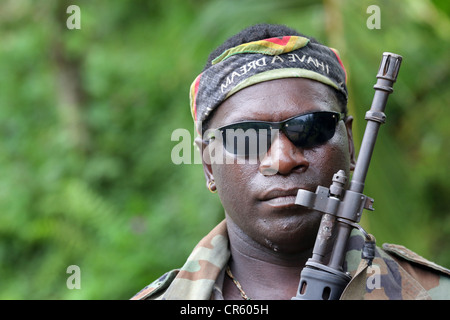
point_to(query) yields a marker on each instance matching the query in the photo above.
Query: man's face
(258, 202)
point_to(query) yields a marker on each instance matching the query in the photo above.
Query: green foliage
(86, 118)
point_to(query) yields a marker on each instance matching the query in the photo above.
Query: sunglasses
(254, 138)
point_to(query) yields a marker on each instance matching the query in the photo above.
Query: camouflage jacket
(402, 274)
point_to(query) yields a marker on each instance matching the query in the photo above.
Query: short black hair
(260, 32)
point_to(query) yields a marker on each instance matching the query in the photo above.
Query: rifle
(342, 209)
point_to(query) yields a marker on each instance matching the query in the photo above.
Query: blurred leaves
(86, 118)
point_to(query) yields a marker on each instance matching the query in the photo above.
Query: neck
(262, 272)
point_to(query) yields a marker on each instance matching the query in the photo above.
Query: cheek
(230, 177)
(232, 185)
(341, 148)
(332, 157)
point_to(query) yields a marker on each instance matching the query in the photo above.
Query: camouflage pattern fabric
(396, 273)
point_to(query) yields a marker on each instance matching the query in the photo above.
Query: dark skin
(271, 238)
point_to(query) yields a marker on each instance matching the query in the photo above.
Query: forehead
(275, 100)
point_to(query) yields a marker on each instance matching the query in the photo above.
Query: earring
(210, 186)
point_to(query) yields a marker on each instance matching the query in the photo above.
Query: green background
(86, 118)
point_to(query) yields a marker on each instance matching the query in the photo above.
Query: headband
(264, 60)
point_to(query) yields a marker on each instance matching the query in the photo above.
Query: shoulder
(435, 279)
(154, 290)
(196, 278)
(412, 257)
(396, 273)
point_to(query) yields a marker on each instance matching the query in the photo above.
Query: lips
(280, 197)
(277, 193)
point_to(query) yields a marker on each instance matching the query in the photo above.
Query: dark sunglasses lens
(255, 138)
(311, 130)
(247, 138)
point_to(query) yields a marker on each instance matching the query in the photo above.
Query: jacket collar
(197, 279)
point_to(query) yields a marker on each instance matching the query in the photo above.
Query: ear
(351, 146)
(206, 163)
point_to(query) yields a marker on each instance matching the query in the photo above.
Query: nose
(283, 157)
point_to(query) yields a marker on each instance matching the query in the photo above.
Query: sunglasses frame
(276, 125)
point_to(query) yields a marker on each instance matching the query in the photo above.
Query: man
(271, 77)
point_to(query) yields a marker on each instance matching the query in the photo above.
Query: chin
(292, 234)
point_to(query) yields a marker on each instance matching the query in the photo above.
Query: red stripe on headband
(340, 62)
(197, 83)
(282, 42)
